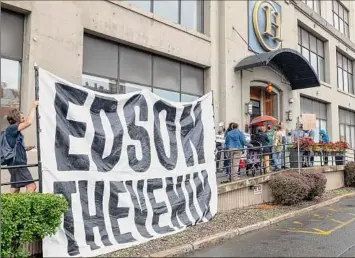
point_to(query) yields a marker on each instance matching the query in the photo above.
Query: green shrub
(349, 174)
(27, 217)
(288, 189)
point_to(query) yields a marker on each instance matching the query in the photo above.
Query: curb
(175, 251)
(215, 239)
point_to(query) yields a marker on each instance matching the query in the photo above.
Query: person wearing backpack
(13, 150)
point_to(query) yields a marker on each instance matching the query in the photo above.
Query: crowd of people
(270, 140)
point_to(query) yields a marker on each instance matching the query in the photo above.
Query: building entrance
(263, 103)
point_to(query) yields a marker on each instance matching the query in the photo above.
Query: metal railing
(19, 166)
(232, 165)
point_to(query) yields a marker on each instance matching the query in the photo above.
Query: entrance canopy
(292, 64)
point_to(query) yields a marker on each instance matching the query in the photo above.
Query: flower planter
(339, 158)
(294, 161)
(316, 148)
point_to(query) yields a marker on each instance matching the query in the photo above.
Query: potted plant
(340, 148)
(328, 148)
(305, 145)
(317, 147)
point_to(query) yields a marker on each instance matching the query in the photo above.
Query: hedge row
(27, 217)
(349, 174)
(292, 187)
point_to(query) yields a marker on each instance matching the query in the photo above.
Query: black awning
(292, 64)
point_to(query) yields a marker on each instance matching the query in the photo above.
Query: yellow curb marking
(318, 231)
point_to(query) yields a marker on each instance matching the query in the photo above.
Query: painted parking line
(330, 217)
(317, 231)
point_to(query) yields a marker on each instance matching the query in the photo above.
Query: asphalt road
(326, 232)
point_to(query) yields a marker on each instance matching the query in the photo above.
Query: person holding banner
(20, 177)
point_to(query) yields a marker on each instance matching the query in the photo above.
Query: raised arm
(28, 121)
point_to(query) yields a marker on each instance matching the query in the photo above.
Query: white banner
(133, 167)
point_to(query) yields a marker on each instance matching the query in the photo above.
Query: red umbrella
(260, 120)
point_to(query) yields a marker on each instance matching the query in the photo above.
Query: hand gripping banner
(133, 167)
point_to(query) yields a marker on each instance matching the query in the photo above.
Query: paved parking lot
(326, 232)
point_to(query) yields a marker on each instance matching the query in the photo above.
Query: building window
(345, 73)
(112, 68)
(12, 25)
(340, 17)
(312, 48)
(310, 106)
(256, 111)
(187, 13)
(314, 4)
(347, 126)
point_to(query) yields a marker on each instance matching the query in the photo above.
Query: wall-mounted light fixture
(268, 88)
(248, 108)
(290, 100)
(289, 115)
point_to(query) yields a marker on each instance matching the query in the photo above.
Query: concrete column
(212, 74)
(331, 60)
(245, 97)
(333, 122)
(351, 20)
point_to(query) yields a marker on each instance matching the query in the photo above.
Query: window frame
(104, 78)
(346, 125)
(201, 11)
(301, 45)
(120, 82)
(318, 118)
(15, 59)
(313, 5)
(347, 71)
(336, 17)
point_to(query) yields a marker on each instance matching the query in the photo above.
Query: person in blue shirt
(20, 177)
(235, 141)
(324, 138)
